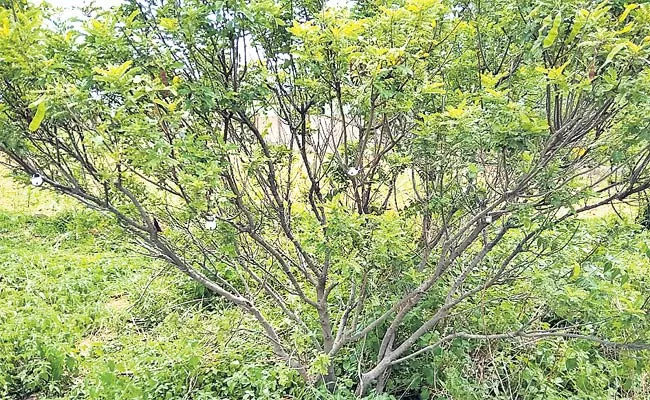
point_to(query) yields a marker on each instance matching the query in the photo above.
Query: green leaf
(571, 363)
(624, 279)
(472, 170)
(169, 24)
(578, 23)
(556, 73)
(627, 10)
(576, 271)
(302, 30)
(114, 71)
(553, 32)
(457, 112)
(131, 17)
(321, 363)
(38, 117)
(614, 52)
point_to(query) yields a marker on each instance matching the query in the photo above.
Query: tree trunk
(329, 380)
(369, 377)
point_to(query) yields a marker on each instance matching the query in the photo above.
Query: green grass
(76, 322)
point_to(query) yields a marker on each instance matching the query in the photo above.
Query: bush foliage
(384, 198)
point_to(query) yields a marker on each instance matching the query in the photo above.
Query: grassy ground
(76, 322)
(82, 318)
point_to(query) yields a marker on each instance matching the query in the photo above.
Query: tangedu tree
(362, 177)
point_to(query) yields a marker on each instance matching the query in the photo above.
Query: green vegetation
(394, 199)
(77, 323)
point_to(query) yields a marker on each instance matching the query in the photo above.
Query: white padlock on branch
(210, 222)
(37, 180)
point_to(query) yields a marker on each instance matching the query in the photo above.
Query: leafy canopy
(341, 174)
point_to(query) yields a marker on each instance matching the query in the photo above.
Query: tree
(340, 173)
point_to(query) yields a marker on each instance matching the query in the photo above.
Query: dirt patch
(119, 303)
(86, 345)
